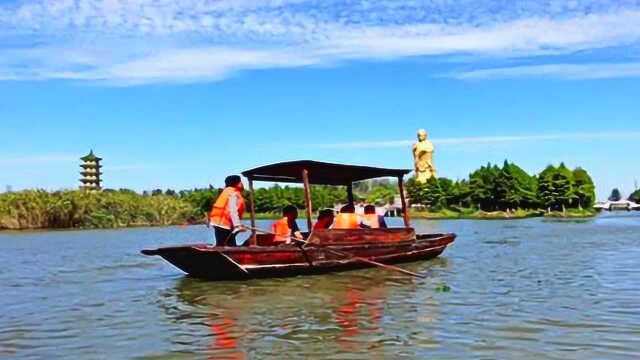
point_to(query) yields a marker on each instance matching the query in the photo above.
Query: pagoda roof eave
(90, 157)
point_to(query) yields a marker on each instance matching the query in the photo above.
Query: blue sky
(179, 94)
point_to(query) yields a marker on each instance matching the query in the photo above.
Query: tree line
(272, 199)
(507, 188)
(490, 188)
(616, 195)
(39, 209)
(113, 208)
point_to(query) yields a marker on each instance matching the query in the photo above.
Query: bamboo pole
(307, 198)
(350, 193)
(405, 212)
(252, 240)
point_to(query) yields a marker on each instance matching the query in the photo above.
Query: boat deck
(236, 263)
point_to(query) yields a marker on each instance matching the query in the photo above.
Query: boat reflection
(224, 344)
(302, 315)
(359, 314)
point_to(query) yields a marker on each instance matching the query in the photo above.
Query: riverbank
(107, 209)
(472, 214)
(9, 227)
(425, 215)
(573, 213)
(37, 210)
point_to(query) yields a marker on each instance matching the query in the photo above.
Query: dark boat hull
(242, 263)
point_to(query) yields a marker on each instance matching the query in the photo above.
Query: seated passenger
(325, 219)
(371, 220)
(286, 228)
(347, 218)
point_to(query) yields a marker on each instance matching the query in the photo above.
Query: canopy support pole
(350, 194)
(307, 198)
(252, 239)
(405, 212)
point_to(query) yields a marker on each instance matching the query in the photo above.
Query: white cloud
(202, 64)
(516, 38)
(565, 71)
(479, 140)
(130, 42)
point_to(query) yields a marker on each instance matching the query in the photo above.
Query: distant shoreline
(468, 214)
(422, 215)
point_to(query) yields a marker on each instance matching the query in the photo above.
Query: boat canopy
(310, 172)
(320, 173)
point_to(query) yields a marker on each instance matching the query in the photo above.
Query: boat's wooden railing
(348, 236)
(351, 236)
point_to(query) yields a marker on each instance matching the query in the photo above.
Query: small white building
(617, 205)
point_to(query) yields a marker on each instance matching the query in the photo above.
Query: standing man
(227, 211)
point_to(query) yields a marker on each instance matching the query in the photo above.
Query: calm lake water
(519, 289)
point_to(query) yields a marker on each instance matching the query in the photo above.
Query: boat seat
(265, 239)
(268, 239)
(389, 235)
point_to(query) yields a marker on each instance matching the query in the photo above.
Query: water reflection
(341, 312)
(224, 343)
(520, 289)
(359, 313)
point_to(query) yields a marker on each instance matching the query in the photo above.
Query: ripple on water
(520, 289)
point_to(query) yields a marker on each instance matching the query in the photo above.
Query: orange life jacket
(281, 229)
(372, 221)
(346, 221)
(219, 214)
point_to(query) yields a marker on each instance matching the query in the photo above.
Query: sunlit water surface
(519, 289)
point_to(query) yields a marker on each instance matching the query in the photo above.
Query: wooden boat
(325, 250)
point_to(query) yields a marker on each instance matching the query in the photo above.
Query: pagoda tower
(90, 172)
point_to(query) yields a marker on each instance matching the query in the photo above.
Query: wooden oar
(365, 260)
(347, 254)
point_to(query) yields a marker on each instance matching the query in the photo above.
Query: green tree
(615, 195)
(200, 199)
(460, 195)
(514, 188)
(482, 185)
(435, 196)
(585, 190)
(556, 188)
(416, 191)
(433, 193)
(381, 195)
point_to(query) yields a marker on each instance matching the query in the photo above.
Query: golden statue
(423, 157)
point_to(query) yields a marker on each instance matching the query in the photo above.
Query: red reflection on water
(359, 313)
(224, 343)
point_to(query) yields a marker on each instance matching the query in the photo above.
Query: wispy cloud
(564, 71)
(479, 140)
(131, 42)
